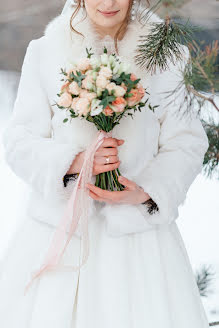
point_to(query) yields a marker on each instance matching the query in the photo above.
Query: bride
(138, 273)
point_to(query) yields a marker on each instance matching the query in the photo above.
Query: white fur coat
(162, 152)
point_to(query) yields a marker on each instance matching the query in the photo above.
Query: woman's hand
(108, 148)
(132, 194)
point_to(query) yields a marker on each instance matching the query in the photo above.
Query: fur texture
(162, 152)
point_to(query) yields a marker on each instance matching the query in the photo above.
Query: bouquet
(101, 89)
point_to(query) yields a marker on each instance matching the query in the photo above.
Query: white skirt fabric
(134, 281)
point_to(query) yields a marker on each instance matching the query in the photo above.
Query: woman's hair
(121, 30)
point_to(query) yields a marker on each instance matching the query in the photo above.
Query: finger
(111, 142)
(107, 167)
(97, 198)
(106, 194)
(126, 182)
(107, 151)
(102, 160)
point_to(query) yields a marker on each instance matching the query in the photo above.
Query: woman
(138, 272)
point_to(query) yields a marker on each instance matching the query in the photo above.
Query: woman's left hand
(132, 194)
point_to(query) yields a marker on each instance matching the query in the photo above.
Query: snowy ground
(198, 218)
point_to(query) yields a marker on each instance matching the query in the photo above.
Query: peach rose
(74, 102)
(65, 88)
(65, 100)
(119, 104)
(82, 106)
(136, 97)
(101, 82)
(124, 86)
(74, 88)
(87, 94)
(106, 72)
(108, 111)
(111, 86)
(119, 91)
(87, 82)
(141, 91)
(83, 64)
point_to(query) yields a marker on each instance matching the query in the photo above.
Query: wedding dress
(138, 272)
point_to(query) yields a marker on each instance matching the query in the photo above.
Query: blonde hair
(121, 30)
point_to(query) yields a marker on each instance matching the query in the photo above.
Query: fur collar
(72, 45)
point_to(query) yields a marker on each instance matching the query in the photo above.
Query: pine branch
(211, 159)
(203, 279)
(163, 44)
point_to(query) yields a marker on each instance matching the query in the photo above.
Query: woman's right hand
(108, 148)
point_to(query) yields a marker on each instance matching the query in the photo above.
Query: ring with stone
(107, 160)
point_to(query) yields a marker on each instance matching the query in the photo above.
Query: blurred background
(198, 221)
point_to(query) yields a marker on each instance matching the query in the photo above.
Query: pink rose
(65, 100)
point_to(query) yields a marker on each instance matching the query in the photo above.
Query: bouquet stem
(109, 180)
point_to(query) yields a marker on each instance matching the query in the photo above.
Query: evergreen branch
(163, 45)
(211, 159)
(203, 279)
(204, 67)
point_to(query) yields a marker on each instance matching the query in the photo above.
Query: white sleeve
(168, 176)
(30, 150)
(182, 146)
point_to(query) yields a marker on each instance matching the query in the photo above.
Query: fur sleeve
(30, 150)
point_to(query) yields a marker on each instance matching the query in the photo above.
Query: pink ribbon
(77, 209)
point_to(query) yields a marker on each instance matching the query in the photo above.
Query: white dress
(138, 272)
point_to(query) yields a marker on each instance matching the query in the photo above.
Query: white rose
(95, 107)
(104, 59)
(124, 67)
(95, 61)
(116, 67)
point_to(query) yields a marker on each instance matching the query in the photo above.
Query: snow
(198, 219)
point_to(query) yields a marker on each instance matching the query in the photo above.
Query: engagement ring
(107, 160)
